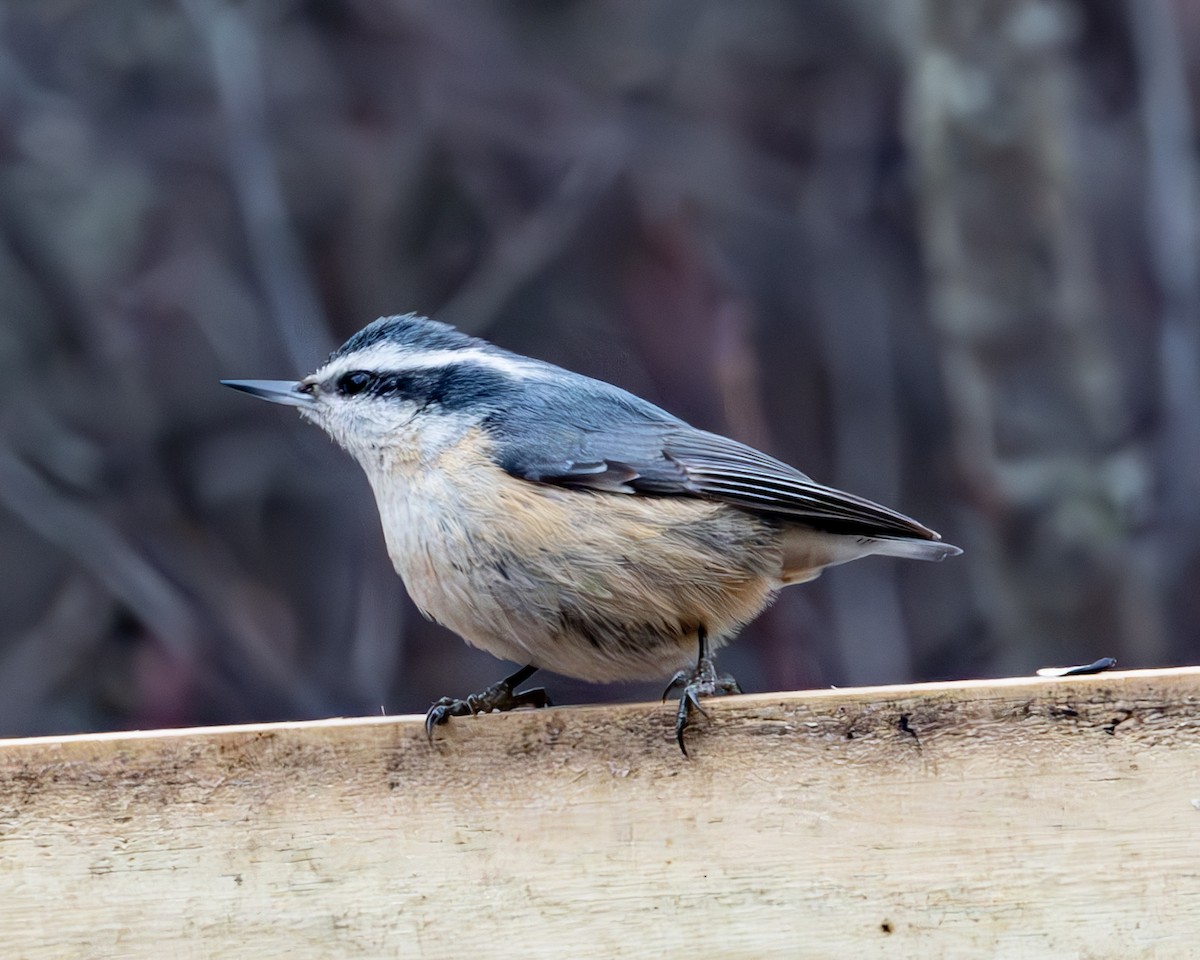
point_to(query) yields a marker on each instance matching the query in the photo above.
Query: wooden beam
(1018, 818)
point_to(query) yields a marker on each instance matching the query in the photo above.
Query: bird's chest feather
(432, 525)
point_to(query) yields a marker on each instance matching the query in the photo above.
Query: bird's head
(401, 382)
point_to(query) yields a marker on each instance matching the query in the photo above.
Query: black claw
(443, 710)
(702, 681)
(680, 679)
(689, 701)
(499, 697)
(536, 698)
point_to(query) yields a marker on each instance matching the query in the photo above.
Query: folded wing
(595, 436)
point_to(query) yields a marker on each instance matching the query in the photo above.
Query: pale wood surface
(1010, 819)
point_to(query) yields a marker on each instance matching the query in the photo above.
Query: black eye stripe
(453, 387)
(391, 385)
(415, 385)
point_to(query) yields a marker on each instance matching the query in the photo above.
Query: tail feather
(911, 549)
(806, 552)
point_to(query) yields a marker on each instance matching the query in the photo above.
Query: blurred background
(941, 253)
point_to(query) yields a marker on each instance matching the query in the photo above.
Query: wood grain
(1009, 819)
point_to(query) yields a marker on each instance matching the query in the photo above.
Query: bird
(565, 524)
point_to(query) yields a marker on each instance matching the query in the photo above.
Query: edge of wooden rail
(1115, 682)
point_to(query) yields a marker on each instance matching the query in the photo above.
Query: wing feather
(731, 471)
(576, 432)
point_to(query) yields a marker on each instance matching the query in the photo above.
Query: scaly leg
(499, 696)
(702, 681)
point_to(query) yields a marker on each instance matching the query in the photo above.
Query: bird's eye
(354, 382)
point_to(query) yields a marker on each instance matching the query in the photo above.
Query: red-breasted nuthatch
(561, 522)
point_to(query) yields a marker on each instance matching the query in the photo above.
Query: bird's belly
(591, 585)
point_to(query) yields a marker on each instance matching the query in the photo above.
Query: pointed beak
(277, 391)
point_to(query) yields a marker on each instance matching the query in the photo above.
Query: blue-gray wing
(598, 437)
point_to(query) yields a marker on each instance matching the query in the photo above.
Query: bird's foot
(500, 697)
(701, 681)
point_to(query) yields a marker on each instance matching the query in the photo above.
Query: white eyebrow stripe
(391, 357)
